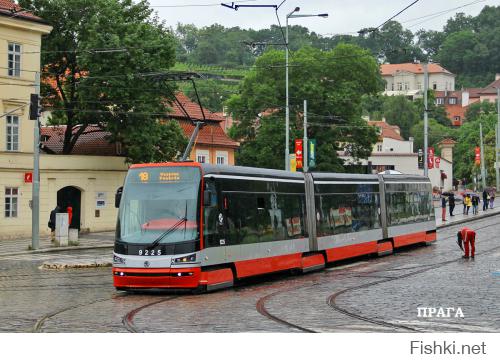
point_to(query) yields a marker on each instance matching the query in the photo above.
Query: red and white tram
(197, 226)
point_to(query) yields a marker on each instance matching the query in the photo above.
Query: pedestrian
(443, 207)
(467, 203)
(485, 200)
(52, 222)
(468, 237)
(69, 210)
(492, 198)
(475, 204)
(451, 203)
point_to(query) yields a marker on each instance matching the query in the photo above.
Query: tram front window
(156, 200)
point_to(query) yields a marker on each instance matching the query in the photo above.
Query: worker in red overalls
(467, 236)
(70, 215)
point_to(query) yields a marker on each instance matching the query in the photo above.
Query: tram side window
(265, 217)
(409, 206)
(346, 213)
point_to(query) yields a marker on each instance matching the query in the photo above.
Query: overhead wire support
(235, 6)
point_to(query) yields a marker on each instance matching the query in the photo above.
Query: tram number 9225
(149, 252)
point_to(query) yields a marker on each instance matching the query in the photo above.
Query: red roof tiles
(391, 69)
(94, 141)
(11, 9)
(192, 109)
(386, 130)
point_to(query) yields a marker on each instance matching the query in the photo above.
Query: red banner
(478, 155)
(299, 152)
(430, 158)
(437, 161)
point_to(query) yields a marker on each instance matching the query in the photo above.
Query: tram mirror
(118, 197)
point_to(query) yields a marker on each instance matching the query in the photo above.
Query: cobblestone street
(372, 294)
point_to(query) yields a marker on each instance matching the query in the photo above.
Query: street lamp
(287, 109)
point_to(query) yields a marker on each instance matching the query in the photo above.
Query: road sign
(299, 157)
(420, 159)
(28, 177)
(311, 155)
(293, 163)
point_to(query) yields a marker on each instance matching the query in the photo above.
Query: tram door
(214, 223)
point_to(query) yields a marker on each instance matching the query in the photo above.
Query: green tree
(332, 82)
(436, 133)
(100, 55)
(400, 111)
(477, 109)
(467, 140)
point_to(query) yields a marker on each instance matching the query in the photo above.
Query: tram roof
(248, 171)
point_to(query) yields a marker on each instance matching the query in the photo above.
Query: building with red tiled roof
(408, 79)
(386, 130)
(9, 8)
(212, 146)
(489, 93)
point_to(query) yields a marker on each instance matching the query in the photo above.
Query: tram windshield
(156, 200)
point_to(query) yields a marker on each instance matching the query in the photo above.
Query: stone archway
(71, 197)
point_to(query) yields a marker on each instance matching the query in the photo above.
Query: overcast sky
(345, 16)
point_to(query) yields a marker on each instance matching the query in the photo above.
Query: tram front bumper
(161, 278)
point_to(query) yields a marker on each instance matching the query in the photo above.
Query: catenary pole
(426, 121)
(483, 169)
(306, 166)
(35, 203)
(497, 146)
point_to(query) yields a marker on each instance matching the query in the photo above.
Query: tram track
(128, 319)
(331, 299)
(37, 328)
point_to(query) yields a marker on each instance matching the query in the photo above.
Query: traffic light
(35, 106)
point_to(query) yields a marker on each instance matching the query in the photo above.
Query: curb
(56, 249)
(471, 219)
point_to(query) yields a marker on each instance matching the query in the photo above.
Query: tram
(185, 225)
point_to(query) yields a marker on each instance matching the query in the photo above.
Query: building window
(11, 202)
(379, 147)
(457, 118)
(222, 157)
(419, 85)
(12, 133)
(14, 60)
(452, 101)
(440, 101)
(203, 156)
(407, 86)
(400, 86)
(434, 85)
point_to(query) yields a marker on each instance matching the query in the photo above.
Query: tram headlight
(185, 259)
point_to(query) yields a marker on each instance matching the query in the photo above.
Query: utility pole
(306, 166)
(287, 102)
(35, 203)
(483, 169)
(497, 143)
(426, 121)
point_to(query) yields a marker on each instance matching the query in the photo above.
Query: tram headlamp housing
(185, 259)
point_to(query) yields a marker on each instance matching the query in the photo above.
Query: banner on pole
(430, 158)
(299, 143)
(477, 151)
(311, 156)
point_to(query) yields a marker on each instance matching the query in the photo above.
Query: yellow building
(90, 180)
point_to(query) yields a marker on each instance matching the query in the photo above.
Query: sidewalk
(459, 217)
(86, 241)
(106, 239)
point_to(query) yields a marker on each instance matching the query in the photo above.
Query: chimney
(465, 98)
(497, 76)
